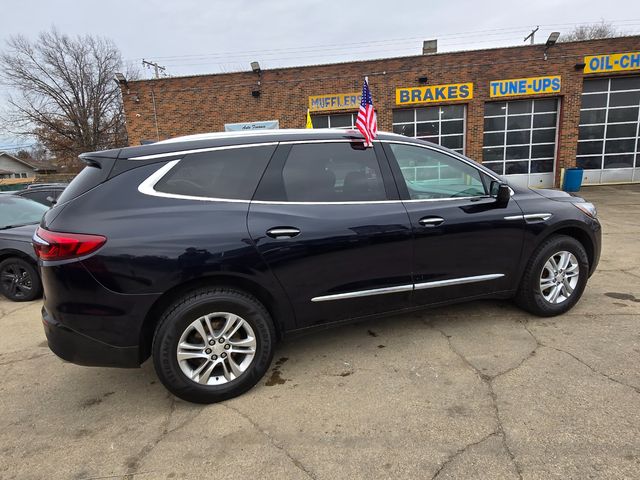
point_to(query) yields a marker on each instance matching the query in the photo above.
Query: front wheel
(19, 280)
(213, 344)
(555, 277)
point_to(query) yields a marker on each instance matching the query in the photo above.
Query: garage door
(444, 125)
(520, 140)
(608, 145)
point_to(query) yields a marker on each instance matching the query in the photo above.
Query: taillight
(51, 245)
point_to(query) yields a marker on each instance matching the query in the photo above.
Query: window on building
(520, 136)
(609, 135)
(23, 175)
(229, 173)
(430, 174)
(332, 172)
(444, 125)
(335, 120)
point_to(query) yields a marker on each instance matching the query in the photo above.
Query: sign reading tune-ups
(525, 86)
(615, 62)
(434, 93)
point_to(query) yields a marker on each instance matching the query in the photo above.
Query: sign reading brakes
(615, 62)
(334, 101)
(524, 86)
(434, 93)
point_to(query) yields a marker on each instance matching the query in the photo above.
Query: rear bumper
(80, 349)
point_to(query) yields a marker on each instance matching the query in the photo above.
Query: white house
(13, 167)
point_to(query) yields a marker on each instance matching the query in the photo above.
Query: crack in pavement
(34, 357)
(460, 452)
(4, 313)
(488, 381)
(134, 462)
(579, 360)
(273, 442)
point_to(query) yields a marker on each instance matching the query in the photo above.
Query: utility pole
(157, 68)
(532, 34)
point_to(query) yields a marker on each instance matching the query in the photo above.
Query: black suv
(203, 251)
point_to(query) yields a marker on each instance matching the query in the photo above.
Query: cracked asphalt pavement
(479, 390)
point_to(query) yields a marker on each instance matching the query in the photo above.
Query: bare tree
(65, 94)
(592, 31)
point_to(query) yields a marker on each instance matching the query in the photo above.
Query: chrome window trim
(408, 287)
(200, 150)
(147, 186)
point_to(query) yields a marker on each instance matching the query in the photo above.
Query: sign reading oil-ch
(520, 135)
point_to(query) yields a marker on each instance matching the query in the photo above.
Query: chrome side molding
(457, 281)
(408, 288)
(364, 293)
(531, 217)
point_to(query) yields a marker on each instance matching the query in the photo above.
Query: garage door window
(610, 124)
(520, 136)
(337, 120)
(444, 125)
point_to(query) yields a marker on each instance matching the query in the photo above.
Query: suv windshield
(15, 211)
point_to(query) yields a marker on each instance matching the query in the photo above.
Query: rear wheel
(213, 344)
(555, 277)
(19, 280)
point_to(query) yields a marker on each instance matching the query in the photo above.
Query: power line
(316, 47)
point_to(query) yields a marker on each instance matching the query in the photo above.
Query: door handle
(431, 221)
(283, 232)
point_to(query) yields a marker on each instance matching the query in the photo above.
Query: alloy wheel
(16, 281)
(216, 348)
(559, 277)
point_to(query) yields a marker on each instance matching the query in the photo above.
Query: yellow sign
(525, 86)
(615, 62)
(434, 93)
(334, 101)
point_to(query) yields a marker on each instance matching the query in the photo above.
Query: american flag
(367, 122)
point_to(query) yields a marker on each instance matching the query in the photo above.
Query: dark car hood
(558, 195)
(20, 234)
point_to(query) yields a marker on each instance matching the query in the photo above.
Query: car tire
(19, 280)
(539, 282)
(235, 370)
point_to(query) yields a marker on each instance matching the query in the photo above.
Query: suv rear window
(88, 178)
(227, 173)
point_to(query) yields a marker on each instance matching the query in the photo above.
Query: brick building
(526, 112)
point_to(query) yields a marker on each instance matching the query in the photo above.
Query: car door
(465, 243)
(328, 221)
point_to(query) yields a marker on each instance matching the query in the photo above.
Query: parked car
(45, 193)
(204, 251)
(19, 218)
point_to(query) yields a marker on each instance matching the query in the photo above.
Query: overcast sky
(189, 36)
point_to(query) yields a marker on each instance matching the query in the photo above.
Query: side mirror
(501, 192)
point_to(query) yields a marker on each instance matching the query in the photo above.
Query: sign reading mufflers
(525, 86)
(434, 93)
(334, 101)
(615, 62)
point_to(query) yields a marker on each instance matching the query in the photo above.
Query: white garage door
(520, 140)
(608, 142)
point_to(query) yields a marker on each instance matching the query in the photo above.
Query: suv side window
(431, 174)
(332, 172)
(227, 173)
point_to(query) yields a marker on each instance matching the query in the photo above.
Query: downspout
(155, 114)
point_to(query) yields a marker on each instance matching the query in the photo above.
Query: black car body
(311, 225)
(19, 218)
